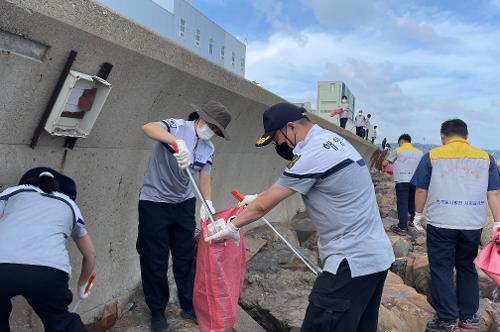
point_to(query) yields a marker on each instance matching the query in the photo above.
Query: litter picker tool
(90, 282)
(196, 188)
(313, 267)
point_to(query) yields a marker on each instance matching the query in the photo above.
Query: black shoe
(437, 325)
(189, 314)
(159, 323)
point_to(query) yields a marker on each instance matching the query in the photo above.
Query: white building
(179, 21)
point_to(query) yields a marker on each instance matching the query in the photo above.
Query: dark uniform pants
(343, 122)
(360, 132)
(339, 303)
(164, 227)
(45, 289)
(405, 199)
(448, 249)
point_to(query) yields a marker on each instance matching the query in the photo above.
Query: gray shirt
(165, 182)
(339, 195)
(34, 227)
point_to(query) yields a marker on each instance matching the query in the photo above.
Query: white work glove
(247, 200)
(81, 292)
(226, 232)
(215, 227)
(417, 221)
(183, 156)
(496, 226)
(203, 211)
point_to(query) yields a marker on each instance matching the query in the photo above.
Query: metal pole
(200, 195)
(315, 269)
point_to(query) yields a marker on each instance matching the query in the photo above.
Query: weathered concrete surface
(152, 79)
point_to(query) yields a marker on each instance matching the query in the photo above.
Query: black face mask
(284, 151)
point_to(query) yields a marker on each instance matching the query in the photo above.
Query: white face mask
(204, 132)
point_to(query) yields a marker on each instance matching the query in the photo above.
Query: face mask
(284, 151)
(204, 132)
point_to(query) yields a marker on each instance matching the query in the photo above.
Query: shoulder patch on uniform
(172, 123)
(293, 161)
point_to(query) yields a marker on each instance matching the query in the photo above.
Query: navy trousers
(45, 289)
(340, 303)
(448, 249)
(164, 227)
(405, 199)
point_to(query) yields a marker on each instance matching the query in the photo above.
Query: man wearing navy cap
(338, 191)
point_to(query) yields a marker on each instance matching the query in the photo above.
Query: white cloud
(430, 68)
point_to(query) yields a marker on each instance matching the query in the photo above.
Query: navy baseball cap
(276, 117)
(66, 184)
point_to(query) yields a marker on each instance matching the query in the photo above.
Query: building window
(222, 52)
(332, 87)
(182, 28)
(233, 58)
(211, 46)
(242, 65)
(197, 37)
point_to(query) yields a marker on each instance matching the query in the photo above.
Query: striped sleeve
(79, 229)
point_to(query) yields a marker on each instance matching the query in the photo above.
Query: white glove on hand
(203, 211)
(496, 226)
(417, 221)
(81, 292)
(215, 227)
(226, 232)
(247, 200)
(183, 156)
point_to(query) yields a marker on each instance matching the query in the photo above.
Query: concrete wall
(152, 79)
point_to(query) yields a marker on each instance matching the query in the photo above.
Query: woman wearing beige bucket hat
(167, 204)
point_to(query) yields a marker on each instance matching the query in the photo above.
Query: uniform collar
(314, 129)
(407, 145)
(457, 140)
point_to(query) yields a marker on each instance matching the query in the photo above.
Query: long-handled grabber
(90, 282)
(313, 267)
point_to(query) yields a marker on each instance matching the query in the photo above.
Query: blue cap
(66, 184)
(276, 117)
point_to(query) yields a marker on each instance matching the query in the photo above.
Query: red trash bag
(336, 112)
(488, 259)
(220, 272)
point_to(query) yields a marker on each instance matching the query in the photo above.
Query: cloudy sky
(412, 64)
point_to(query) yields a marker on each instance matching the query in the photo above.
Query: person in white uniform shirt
(339, 194)
(35, 221)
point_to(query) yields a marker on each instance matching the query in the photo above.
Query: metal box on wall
(78, 105)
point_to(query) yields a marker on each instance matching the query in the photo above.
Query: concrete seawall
(152, 79)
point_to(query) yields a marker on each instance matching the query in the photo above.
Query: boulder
(400, 245)
(486, 285)
(406, 304)
(302, 225)
(418, 274)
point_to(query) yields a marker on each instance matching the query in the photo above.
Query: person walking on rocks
(455, 182)
(339, 194)
(167, 205)
(405, 160)
(360, 124)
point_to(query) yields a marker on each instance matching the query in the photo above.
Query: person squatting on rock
(405, 159)
(35, 220)
(455, 182)
(167, 205)
(338, 191)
